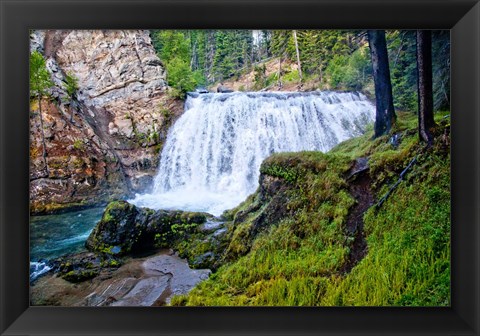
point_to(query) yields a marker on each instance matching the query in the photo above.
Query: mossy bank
(314, 233)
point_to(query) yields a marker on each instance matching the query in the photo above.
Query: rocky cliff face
(105, 141)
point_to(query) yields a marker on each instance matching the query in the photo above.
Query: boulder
(223, 89)
(126, 229)
(201, 90)
(84, 266)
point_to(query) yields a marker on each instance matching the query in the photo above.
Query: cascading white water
(212, 155)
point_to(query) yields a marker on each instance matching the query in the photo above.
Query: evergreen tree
(280, 41)
(441, 69)
(233, 49)
(403, 68)
(174, 49)
(71, 86)
(40, 82)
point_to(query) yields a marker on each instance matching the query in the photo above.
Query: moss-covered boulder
(84, 265)
(125, 229)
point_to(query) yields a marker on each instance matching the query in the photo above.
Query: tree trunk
(425, 90)
(44, 147)
(298, 54)
(385, 112)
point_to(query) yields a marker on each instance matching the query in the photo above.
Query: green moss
(298, 259)
(78, 162)
(195, 246)
(110, 263)
(58, 162)
(80, 275)
(288, 174)
(51, 208)
(78, 144)
(166, 113)
(115, 206)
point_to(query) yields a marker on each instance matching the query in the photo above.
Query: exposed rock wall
(106, 141)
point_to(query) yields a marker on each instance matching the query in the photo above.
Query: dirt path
(360, 183)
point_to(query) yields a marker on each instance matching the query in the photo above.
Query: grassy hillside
(304, 238)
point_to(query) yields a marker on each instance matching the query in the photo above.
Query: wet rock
(131, 229)
(183, 278)
(223, 89)
(211, 225)
(201, 90)
(110, 291)
(360, 165)
(395, 140)
(150, 281)
(205, 260)
(145, 293)
(84, 266)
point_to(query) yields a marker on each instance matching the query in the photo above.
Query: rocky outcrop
(105, 140)
(82, 168)
(128, 230)
(147, 281)
(264, 208)
(124, 228)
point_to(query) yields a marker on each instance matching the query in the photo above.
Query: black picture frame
(18, 16)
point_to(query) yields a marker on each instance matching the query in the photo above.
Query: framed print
(313, 164)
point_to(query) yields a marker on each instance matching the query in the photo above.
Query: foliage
(336, 59)
(40, 80)
(173, 48)
(441, 69)
(403, 68)
(180, 76)
(352, 72)
(408, 263)
(71, 85)
(318, 48)
(232, 52)
(260, 76)
(78, 144)
(298, 259)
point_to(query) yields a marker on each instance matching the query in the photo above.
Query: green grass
(297, 259)
(408, 262)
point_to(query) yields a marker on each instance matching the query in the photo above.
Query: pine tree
(71, 86)
(280, 39)
(403, 68)
(40, 82)
(441, 69)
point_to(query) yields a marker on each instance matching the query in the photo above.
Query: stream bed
(52, 236)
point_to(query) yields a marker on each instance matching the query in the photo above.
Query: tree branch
(402, 175)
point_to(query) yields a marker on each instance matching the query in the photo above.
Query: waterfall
(211, 159)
